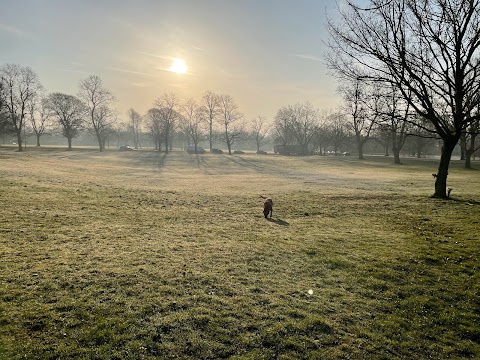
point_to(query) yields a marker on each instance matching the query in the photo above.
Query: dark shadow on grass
(278, 222)
(149, 157)
(465, 201)
(456, 200)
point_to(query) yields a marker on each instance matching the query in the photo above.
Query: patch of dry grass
(142, 255)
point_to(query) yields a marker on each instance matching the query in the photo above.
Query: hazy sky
(264, 53)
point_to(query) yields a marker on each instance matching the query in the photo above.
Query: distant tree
(429, 50)
(121, 133)
(304, 120)
(98, 101)
(167, 106)
(395, 119)
(135, 126)
(356, 102)
(69, 111)
(230, 120)
(19, 86)
(419, 138)
(192, 122)
(320, 139)
(337, 130)
(211, 107)
(4, 123)
(259, 131)
(155, 126)
(39, 116)
(471, 137)
(282, 126)
(109, 134)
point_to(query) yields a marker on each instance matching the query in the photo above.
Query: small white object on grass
(310, 292)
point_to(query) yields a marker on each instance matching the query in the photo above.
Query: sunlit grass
(141, 255)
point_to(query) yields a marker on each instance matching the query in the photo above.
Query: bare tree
(356, 102)
(193, 122)
(155, 125)
(167, 106)
(39, 116)
(4, 123)
(394, 118)
(20, 85)
(282, 126)
(260, 130)
(98, 101)
(109, 134)
(211, 106)
(419, 139)
(427, 49)
(69, 111)
(320, 139)
(337, 130)
(471, 140)
(303, 124)
(135, 126)
(230, 121)
(121, 133)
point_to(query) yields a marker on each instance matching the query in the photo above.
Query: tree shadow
(149, 157)
(278, 222)
(464, 201)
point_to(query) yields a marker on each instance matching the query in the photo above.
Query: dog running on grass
(267, 206)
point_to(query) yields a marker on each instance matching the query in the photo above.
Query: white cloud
(307, 57)
(128, 71)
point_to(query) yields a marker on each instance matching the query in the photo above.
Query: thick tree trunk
(463, 147)
(210, 139)
(19, 140)
(227, 140)
(101, 146)
(38, 139)
(166, 143)
(360, 144)
(395, 148)
(470, 151)
(69, 139)
(468, 156)
(229, 146)
(396, 156)
(442, 173)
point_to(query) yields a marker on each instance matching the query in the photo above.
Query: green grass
(142, 255)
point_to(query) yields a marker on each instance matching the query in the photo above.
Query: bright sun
(178, 66)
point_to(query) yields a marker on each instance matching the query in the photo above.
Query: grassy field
(142, 255)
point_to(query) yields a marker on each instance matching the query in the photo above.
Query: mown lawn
(142, 255)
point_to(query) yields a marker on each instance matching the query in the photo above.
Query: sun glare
(178, 66)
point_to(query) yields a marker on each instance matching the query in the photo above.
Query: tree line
(23, 100)
(363, 116)
(25, 103)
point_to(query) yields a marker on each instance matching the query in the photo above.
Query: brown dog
(267, 206)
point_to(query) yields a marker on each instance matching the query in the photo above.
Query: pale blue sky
(264, 53)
